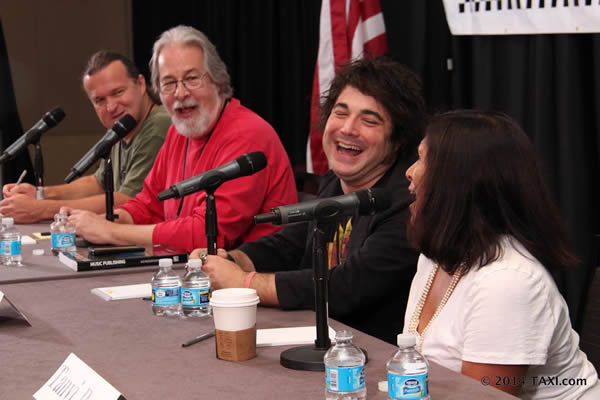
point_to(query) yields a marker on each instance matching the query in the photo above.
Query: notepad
(288, 336)
(124, 292)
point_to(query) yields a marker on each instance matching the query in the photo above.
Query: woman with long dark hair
(483, 301)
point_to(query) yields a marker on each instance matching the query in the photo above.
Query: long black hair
(483, 180)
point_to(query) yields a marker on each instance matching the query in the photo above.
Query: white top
(508, 312)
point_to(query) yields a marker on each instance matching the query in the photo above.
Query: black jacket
(370, 289)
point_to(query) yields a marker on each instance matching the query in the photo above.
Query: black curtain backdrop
(550, 83)
(10, 123)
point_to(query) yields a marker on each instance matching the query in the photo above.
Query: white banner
(518, 17)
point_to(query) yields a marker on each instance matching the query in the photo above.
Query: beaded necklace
(416, 316)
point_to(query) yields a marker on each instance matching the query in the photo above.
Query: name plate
(75, 380)
(8, 311)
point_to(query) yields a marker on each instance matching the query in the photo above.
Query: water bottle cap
(344, 334)
(61, 215)
(194, 262)
(406, 340)
(165, 262)
(37, 252)
(8, 221)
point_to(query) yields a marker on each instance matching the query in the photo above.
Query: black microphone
(368, 202)
(119, 130)
(244, 165)
(49, 120)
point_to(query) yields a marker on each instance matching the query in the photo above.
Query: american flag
(349, 30)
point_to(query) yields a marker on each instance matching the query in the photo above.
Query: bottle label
(166, 296)
(194, 297)
(63, 240)
(407, 386)
(10, 248)
(345, 379)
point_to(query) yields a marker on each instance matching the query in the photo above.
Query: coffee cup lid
(234, 297)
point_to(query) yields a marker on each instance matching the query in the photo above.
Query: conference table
(141, 354)
(47, 267)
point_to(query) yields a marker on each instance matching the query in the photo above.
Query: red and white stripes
(349, 29)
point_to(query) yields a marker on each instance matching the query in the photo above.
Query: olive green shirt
(132, 161)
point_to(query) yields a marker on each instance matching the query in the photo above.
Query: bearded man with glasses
(210, 128)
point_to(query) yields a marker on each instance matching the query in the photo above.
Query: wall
(48, 45)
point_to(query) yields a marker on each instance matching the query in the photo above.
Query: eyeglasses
(191, 82)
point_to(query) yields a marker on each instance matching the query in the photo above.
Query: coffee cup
(234, 313)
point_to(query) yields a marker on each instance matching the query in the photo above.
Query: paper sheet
(26, 239)
(75, 378)
(124, 292)
(287, 336)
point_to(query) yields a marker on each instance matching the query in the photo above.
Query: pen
(21, 177)
(199, 338)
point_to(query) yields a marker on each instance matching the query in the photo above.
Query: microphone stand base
(305, 358)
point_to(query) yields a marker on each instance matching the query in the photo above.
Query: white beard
(197, 126)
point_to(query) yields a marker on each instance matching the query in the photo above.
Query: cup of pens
(234, 313)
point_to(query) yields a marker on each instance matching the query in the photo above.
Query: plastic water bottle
(2, 228)
(62, 234)
(10, 243)
(166, 290)
(345, 369)
(195, 289)
(407, 371)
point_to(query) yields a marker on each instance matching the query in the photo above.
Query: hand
(92, 227)
(222, 273)
(24, 209)
(220, 252)
(65, 210)
(12, 189)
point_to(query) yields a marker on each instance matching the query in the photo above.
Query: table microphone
(49, 120)
(244, 165)
(119, 130)
(368, 202)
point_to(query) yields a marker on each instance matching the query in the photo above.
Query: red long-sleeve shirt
(238, 131)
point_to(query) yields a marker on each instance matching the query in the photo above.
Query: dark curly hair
(392, 85)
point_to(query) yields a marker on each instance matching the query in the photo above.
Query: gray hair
(186, 35)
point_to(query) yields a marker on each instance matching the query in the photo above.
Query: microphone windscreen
(165, 194)
(373, 200)
(124, 125)
(53, 117)
(251, 162)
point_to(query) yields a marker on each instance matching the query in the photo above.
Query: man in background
(115, 88)
(210, 128)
